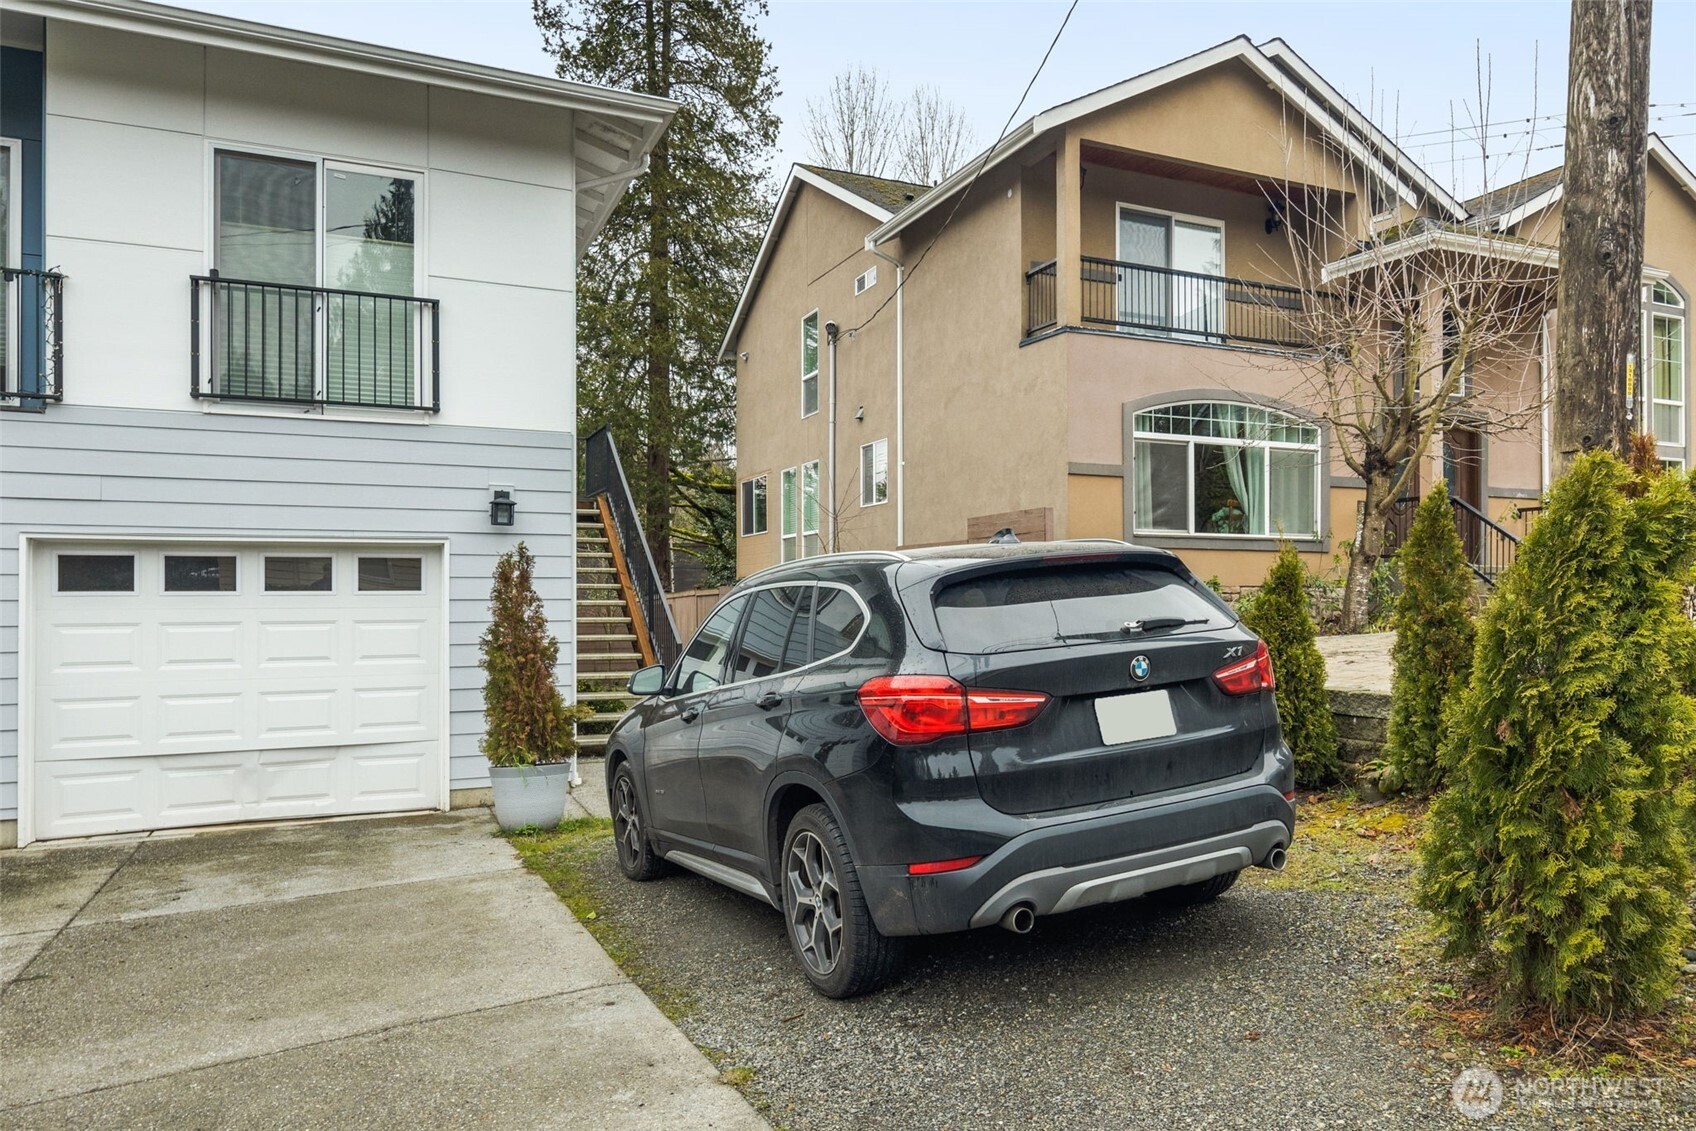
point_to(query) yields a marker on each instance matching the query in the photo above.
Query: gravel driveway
(1264, 1009)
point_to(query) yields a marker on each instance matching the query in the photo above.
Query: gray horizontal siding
(77, 470)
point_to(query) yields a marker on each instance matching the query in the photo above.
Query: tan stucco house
(1086, 331)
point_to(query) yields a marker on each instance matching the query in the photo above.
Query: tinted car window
(759, 652)
(798, 651)
(1005, 612)
(702, 666)
(837, 621)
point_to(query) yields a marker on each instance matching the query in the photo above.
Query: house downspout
(900, 400)
(830, 332)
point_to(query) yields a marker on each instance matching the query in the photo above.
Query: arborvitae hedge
(1559, 858)
(1433, 649)
(525, 719)
(1280, 616)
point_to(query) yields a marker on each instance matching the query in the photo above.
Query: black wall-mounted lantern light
(501, 509)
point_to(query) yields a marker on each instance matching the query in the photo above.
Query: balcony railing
(318, 346)
(1180, 305)
(32, 325)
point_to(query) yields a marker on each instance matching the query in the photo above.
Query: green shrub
(1433, 649)
(525, 720)
(1558, 858)
(1279, 615)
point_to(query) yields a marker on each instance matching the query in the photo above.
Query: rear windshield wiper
(1156, 624)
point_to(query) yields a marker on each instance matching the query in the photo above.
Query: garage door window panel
(299, 574)
(96, 573)
(391, 575)
(200, 573)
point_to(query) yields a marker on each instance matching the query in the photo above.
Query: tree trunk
(1602, 225)
(661, 425)
(1370, 545)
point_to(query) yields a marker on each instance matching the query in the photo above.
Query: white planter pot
(530, 795)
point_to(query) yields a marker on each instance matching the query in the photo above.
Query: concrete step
(602, 696)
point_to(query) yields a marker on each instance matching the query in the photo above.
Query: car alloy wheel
(815, 903)
(627, 821)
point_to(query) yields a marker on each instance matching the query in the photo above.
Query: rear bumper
(1076, 863)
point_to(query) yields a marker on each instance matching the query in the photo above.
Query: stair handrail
(603, 475)
(1498, 545)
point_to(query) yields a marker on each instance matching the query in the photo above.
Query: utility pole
(1599, 320)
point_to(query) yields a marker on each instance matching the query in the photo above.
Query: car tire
(819, 884)
(636, 856)
(1188, 895)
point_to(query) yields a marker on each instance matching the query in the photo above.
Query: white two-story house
(288, 362)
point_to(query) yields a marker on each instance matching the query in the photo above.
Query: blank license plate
(1135, 717)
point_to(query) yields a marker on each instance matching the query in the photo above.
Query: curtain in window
(1293, 508)
(1668, 376)
(810, 509)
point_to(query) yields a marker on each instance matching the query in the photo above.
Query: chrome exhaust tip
(1019, 919)
(1276, 859)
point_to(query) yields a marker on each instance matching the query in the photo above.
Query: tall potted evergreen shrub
(527, 728)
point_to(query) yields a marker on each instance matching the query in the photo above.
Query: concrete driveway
(323, 975)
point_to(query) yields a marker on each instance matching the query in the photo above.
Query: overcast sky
(1412, 64)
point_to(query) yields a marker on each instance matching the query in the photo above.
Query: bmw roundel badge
(1139, 668)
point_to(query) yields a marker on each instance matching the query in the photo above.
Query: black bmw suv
(883, 744)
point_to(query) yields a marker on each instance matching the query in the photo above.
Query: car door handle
(689, 714)
(769, 700)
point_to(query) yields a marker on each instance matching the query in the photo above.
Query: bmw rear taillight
(910, 710)
(1247, 676)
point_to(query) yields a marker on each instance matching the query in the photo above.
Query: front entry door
(1463, 469)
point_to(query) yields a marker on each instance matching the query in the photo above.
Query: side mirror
(648, 681)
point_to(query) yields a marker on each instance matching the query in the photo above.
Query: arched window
(1219, 468)
(1664, 342)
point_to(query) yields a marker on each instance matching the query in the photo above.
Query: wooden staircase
(612, 640)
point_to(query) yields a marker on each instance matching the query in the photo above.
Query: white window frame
(13, 252)
(1675, 311)
(789, 522)
(865, 280)
(305, 552)
(380, 594)
(324, 166)
(879, 450)
(813, 376)
(1189, 443)
(198, 552)
(743, 515)
(135, 573)
(812, 466)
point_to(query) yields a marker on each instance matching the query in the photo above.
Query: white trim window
(874, 473)
(753, 506)
(11, 249)
(789, 543)
(319, 266)
(810, 364)
(1668, 375)
(1224, 469)
(865, 280)
(810, 544)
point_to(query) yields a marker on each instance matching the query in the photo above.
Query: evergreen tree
(525, 720)
(657, 290)
(1279, 615)
(1433, 649)
(1558, 859)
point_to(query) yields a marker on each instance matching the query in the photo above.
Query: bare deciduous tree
(854, 126)
(935, 137)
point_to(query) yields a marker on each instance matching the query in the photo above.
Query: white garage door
(190, 685)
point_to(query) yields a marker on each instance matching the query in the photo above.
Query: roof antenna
(1004, 537)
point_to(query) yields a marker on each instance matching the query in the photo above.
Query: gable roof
(614, 129)
(1278, 66)
(1511, 204)
(880, 198)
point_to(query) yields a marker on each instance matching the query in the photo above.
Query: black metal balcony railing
(277, 342)
(1185, 305)
(1181, 305)
(32, 336)
(1040, 310)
